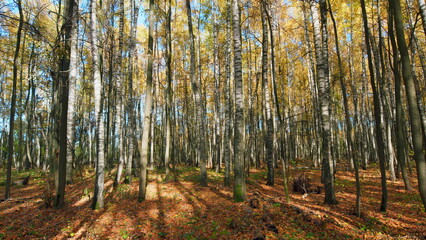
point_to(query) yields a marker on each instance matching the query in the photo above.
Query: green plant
(258, 175)
(86, 193)
(124, 234)
(33, 232)
(344, 182)
(189, 236)
(310, 235)
(123, 191)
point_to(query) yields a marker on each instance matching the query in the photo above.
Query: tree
(227, 133)
(410, 92)
(239, 174)
(196, 89)
(169, 91)
(131, 100)
(377, 111)
(98, 197)
(72, 78)
(69, 29)
(400, 137)
(321, 50)
(351, 149)
(422, 8)
(119, 89)
(267, 98)
(10, 151)
(216, 75)
(143, 172)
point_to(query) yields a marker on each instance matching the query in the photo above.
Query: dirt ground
(183, 210)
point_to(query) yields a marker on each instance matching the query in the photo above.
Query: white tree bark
(239, 174)
(98, 198)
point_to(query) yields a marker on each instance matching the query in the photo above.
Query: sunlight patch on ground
(12, 209)
(80, 232)
(185, 210)
(82, 201)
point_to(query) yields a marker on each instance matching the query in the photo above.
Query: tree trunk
(321, 48)
(239, 176)
(216, 74)
(351, 149)
(73, 72)
(98, 196)
(70, 25)
(10, 151)
(119, 104)
(196, 88)
(143, 172)
(132, 117)
(415, 121)
(227, 134)
(377, 112)
(313, 86)
(169, 92)
(400, 138)
(422, 8)
(267, 98)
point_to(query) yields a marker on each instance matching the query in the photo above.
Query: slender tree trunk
(143, 172)
(415, 121)
(227, 134)
(313, 88)
(132, 117)
(196, 88)
(73, 72)
(400, 138)
(119, 95)
(169, 93)
(377, 112)
(386, 111)
(351, 149)
(422, 8)
(70, 25)
(239, 175)
(216, 73)
(10, 150)
(98, 197)
(267, 98)
(321, 46)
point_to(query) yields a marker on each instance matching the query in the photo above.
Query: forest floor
(182, 209)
